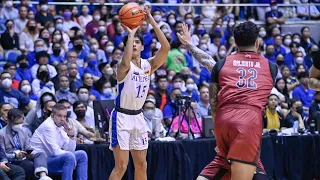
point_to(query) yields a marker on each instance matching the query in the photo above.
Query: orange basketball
(131, 15)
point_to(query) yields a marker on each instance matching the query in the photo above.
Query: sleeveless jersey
(245, 78)
(133, 89)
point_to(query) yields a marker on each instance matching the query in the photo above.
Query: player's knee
(122, 167)
(142, 165)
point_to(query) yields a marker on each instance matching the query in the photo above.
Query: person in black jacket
(9, 39)
(314, 110)
(9, 171)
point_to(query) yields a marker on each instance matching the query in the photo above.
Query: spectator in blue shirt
(275, 31)
(303, 92)
(55, 57)
(72, 58)
(107, 92)
(23, 73)
(278, 49)
(308, 58)
(87, 80)
(12, 96)
(78, 48)
(92, 67)
(290, 57)
(75, 82)
(118, 38)
(147, 40)
(270, 55)
(274, 17)
(170, 110)
(39, 45)
(192, 90)
(204, 76)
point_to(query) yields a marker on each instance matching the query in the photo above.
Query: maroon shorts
(238, 133)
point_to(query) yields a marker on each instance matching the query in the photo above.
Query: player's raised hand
(149, 17)
(130, 31)
(185, 35)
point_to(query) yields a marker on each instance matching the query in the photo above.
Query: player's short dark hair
(137, 35)
(246, 34)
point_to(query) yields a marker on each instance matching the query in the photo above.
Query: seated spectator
(222, 52)
(45, 36)
(62, 71)
(162, 95)
(9, 171)
(81, 54)
(4, 109)
(279, 62)
(39, 45)
(303, 93)
(92, 67)
(281, 86)
(42, 111)
(270, 54)
(57, 56)
(203, 104)
(58, 37)
(11, 68)
(306, 40)
(170, 109)
(64, 91)
(9, 40)
(314, 110)
(93, 26)
(175, 59)
(15, 138)
(68, 22)
(74, 128)
(205, 76)
(23, 73)
(88, 80)
(101, 31)
(274, 17)
(275, 31)
(75, 81)
(42, 58)
(154, 118)
(83, 95)
(182, 122)
(8, 11)
(295, 115)
(85, 17)
(51, 139)
(80, 109)
(119, 36)
(289, 59)
(308, 58)
(147, 40)
(43, 16)
(25, 88)
(306, 11)
(289, 12)
(94, 48)
(107, 73)
(12, 96)
(107, 92)
(292, 82)
(297, 38)
(21, 21)
(209, 11)
(273, 119)
(278, 49)
(286, 42)
(192, 90)
(28, 38)
(42, 81)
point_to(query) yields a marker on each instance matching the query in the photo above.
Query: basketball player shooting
(314, 82)
(127, 127)
(239, 87)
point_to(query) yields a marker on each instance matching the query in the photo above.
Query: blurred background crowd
(69, 54)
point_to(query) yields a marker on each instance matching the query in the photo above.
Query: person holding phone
(15, 138)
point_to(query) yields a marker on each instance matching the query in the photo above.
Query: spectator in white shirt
(8, 11)
(68, 23)
(203, 105)
(52, 139)
(305, 11)
(42, 81)
(21, 22)
(85, 18)
(42, 58)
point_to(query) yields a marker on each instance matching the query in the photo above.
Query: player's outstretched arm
(124, 64)
(213, 96)
(202, 57)
(161, 56)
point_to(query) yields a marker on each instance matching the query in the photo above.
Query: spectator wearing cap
(295, 115)
(64, 90)
(42, 58)
(107, 76)
(21, 21)
(8, 11)
(303, 92)
(11, 68)
(39, 45)
(23, 73)
(12, 96)
(9, 40)
(305, 11)
(75, 81)
(93, 26)
(147, 40)
(41, 112)
(274, 17)
(94, 48)
(43, 16)
(153, 118)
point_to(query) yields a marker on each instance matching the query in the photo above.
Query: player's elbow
(165, 46)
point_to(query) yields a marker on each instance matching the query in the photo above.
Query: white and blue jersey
(133, 89)
(129, 131)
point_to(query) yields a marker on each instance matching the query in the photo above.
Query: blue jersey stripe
(121, 85)
(114, 140)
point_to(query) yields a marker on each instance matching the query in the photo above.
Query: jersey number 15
(247, 82)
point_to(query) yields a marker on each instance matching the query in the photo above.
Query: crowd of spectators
(53, 55)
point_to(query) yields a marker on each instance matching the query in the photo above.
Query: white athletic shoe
(45, 178)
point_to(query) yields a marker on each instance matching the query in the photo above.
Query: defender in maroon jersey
(239, 88)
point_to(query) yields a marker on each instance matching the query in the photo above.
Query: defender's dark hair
(246, 34)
